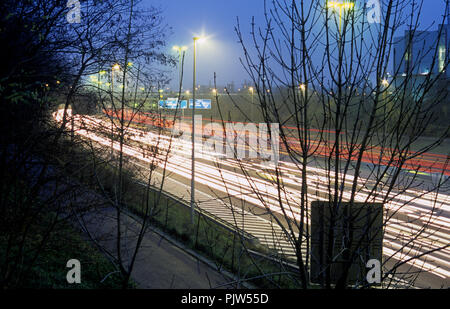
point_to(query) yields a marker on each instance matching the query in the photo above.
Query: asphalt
(160, 264)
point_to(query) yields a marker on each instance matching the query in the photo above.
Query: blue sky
(217, 19)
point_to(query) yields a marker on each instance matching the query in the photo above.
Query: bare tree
(351, 135)
(33, 184)
(51, 63)
(130, 54)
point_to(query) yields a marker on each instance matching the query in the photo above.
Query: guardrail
(228, 226)
(286, 263)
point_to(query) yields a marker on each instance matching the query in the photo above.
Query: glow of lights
(236, 184)
(200, 39)
(180, 48)
(339, 5)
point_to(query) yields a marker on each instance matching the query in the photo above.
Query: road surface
(415, 211)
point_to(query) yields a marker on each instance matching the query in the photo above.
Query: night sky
(216, 19)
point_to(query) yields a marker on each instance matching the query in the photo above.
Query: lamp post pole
(112, 112)
(252, 106)
(180, 60)
(116, 67)
(193, 136)
(181, 50)
(342, 7)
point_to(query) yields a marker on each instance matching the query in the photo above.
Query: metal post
(112, 112)
(193, 139)
(180, 59)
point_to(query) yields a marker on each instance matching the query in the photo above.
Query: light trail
(424, 163)
(413, 204)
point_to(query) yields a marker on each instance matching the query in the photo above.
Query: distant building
(420, 53)
(231, 88)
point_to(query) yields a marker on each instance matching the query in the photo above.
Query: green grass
(206, 237)
(49, 270)
(225, 248)
(53, 245)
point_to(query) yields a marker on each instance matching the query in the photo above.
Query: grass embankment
(219, 244)
(35, 246)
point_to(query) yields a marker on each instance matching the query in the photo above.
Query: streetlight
(385, 84)
(252, 91)
(181, 50)
(115, 67)
(346, 5)
(196, 39)
(302, 88)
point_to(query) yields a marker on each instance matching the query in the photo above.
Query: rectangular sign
(363, 221)
(172, 103)
(183, 104)
(200, 104)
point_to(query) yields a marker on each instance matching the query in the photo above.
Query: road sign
(363, 221)
(200, 104)
(172, 103)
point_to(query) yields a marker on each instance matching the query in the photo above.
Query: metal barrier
(230, 227)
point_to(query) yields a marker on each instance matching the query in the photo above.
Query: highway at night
(218, 177)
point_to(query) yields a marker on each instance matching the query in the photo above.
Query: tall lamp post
(196, 39)
(193, 133)
(341, 6)
(115, 67)
(181, 50)
(252, 91)
(302, 88)
(385, 84)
